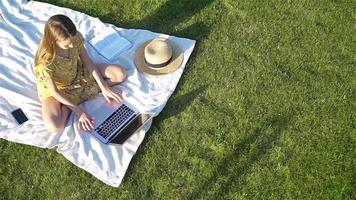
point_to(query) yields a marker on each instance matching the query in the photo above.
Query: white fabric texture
(21, 28)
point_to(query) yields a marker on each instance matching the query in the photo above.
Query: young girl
(66, 76)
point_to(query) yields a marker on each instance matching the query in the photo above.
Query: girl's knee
(120, 74)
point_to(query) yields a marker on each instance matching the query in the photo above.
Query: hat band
(158, 65)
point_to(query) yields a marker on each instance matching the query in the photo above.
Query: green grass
(265, 108)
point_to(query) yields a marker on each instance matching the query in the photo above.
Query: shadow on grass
(163, 20)
(221, 108)
(260, 140)
(180, 103)
(176, 106)
(171, 14)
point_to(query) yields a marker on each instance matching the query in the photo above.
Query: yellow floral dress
(71, 78)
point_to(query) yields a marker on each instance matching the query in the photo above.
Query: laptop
(116, 122)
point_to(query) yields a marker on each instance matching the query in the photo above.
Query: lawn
(265, 109)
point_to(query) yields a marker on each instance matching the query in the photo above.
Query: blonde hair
(58, 27)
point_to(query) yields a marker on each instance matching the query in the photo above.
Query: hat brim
(177, 60)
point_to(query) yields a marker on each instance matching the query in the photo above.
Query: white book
(109, 43)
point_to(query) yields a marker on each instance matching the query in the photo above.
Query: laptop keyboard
(114, 121)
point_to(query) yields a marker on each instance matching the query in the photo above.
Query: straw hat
(158, 56)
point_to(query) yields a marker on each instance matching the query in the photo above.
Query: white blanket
(21, 27)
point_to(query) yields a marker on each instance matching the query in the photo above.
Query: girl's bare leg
(54, 114)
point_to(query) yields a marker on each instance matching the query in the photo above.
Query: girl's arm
(106, 90)
(87, 62)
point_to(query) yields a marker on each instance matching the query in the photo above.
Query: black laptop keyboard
(114, 121)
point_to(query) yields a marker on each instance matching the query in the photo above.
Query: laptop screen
(130, 128)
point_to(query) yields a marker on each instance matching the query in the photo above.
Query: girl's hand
(113, 93)
(85, 122)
